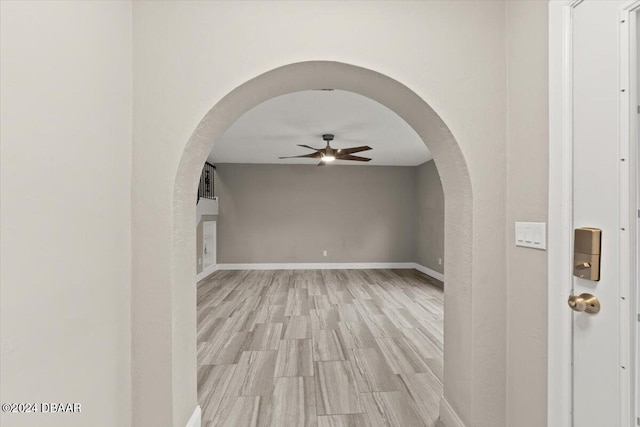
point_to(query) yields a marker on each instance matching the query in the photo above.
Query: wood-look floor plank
(327, 345)
(293, 402)
(277, 298)
(212, 383)
(268, 343)
(336, 391)
(269, 313)
(348, 313)
(237, 411)
(238, 321)
(320, 302)
(372, 372)
(356, 335)
(400, 317)
(230, 351)
(297, 328)
(391, 409)
(266, 336)
(324, 319)
(349, 420)
(297, 307)
(294, 359)
(253, 375)
(208, 350)
(209, 328)
(400, 356)
(425, 390)
(381, 327)
(422, 343)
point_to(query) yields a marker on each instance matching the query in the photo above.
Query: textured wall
(429, 246)
(66, 105)
(66, 210)
(527, 199)
(292, 213)
(189, 55)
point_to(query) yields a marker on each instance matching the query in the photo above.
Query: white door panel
(209, 244)
(595, 204)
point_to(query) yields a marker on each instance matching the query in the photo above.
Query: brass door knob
(584, 302)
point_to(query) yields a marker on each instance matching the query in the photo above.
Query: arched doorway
(180, 351)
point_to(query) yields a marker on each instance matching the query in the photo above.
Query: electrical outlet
(324, 253)
(439, 261)
(199, 261)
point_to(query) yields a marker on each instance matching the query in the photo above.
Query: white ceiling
(273, 129)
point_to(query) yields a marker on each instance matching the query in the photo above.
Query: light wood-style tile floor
(321, 348)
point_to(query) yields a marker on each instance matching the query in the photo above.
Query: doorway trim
(459, 238)
(628, 175)
(559, 396)
(560, 404)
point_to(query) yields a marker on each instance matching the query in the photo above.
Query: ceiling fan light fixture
(328, 154)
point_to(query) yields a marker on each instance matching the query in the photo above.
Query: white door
(208, 244)
(599, 365)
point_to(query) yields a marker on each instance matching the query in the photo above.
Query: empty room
(321, 257)
(323, 213)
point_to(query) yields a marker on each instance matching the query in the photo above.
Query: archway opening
(329, 285)
(388, 92)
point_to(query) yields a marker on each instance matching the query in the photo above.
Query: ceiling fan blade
(354, 158)
(322, 163)
(308, 146)
(310, 155)
(354, 149)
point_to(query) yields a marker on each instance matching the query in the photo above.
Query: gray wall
(291, 213)
(429, 218)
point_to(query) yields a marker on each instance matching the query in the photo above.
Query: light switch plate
(531, 235)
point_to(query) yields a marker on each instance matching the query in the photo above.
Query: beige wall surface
(66, 105)
(189, 55)
(292, 213)
(65, 214)
(527, 200)
(429, 218)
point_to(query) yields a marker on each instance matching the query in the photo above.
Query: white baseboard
(429, 272)
(328, 266)
(448, 416)
(212, 268)
(318, 266)
(196, 418)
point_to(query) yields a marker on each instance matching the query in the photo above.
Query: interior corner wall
(429, 250)
(65, 244)
(292, 213)
(527, 200)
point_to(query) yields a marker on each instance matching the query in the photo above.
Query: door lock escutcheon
(584, 303)
(586, 253)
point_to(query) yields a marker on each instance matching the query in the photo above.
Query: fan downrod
(328, 137)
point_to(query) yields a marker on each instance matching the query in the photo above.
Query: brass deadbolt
(584, 302)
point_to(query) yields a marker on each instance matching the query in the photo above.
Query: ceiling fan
(328, 154)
